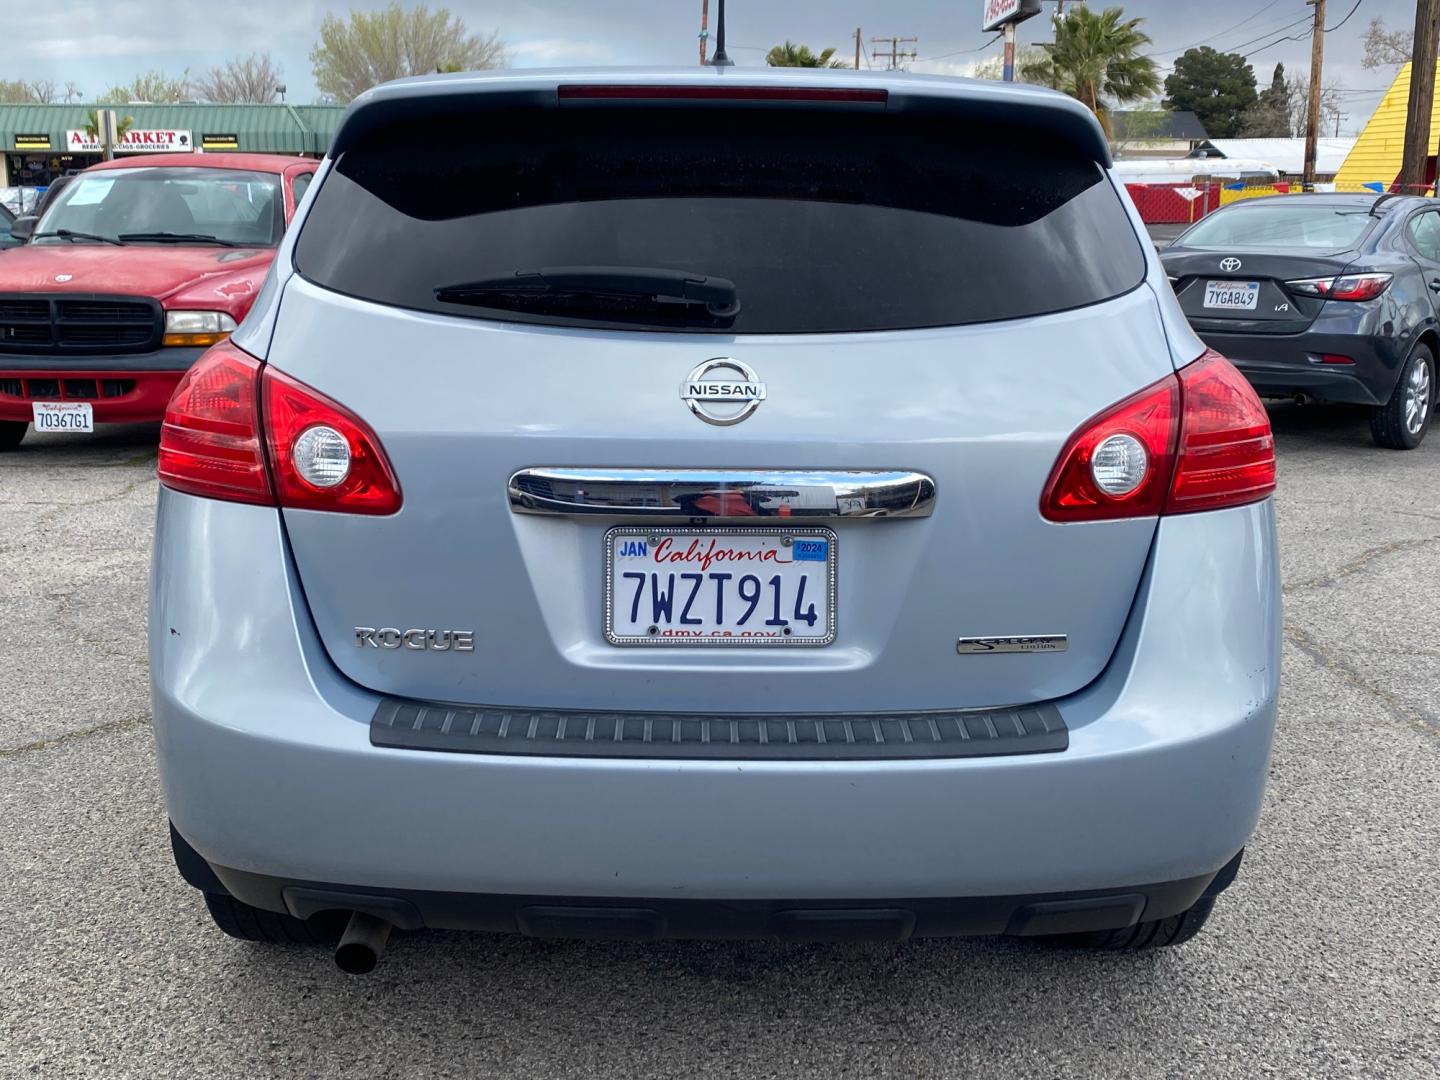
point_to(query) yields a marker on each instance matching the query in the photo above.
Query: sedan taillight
(242, 432)
(1345, 287)
(1195, 440)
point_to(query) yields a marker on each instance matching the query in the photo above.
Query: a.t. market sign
(132, 142)
(999, 12)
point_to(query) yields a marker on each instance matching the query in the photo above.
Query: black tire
(1394, 424)
(11, 432)
(247, 923)
(1156, 934)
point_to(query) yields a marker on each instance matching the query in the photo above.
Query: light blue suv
(714, 503)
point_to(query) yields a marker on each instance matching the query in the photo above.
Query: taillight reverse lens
(324, 456)
(229, 411)
(210, 441)
(1227, 451)
(1196, 440)
(1345, 287)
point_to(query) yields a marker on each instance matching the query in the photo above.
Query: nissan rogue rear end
(717, 503)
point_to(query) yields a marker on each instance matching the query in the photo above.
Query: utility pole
(897, 55)
(1422, 96)
(704, 28)
(1312, 113)
(857, 48)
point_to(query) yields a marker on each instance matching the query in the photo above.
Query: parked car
(134, 269)
(940, 599)
(6, 239)
(1322, 298)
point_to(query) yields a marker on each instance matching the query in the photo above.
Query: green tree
(1096, 59)
(792, 55)
(149, 86)
(1217, 87)
(993, 67)
(375, 47)
(1269, 118)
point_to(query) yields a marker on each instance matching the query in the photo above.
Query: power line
(1342, 22)
(1222, 33)
(1279, 41)
(959, 52)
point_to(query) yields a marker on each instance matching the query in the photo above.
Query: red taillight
(1227, 452)
(1206, 437)
(368, 486)
(1345, 287)
(1073, 492)
(210, 442)
(214, 442)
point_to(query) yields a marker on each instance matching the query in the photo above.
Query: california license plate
(64, 416)
(1232, 295)
(736, 586)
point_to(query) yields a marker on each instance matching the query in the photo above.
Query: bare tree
(374, 47)
(1299, 91)
(254, 78)
(1386, 48)
(73, 93)
(20, 92)
(149, 86)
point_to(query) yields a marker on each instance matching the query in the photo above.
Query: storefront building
(41, 142)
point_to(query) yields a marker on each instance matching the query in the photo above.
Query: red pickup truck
(137, 268)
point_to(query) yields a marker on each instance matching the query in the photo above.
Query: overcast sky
(98, 43)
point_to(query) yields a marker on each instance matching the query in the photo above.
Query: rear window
(1282, 223)
(824, 222)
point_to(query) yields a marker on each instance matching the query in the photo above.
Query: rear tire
(1401, 423)
(11, 432)
(1155, 934)
(247, 923)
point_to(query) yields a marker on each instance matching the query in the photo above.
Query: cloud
(560, 51)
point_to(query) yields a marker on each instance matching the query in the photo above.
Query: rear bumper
(1285, 365)
(270, 774)
(650, 918)
(121, 389)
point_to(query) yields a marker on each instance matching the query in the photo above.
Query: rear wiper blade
(72, 236)
(556, 286)
(180, 238)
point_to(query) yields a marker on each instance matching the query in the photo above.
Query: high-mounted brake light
(1196, 440)
(1345, 287)
(721, 92)
(230, 413)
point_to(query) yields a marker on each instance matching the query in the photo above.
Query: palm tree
(1096, 59)
(792, 55)
(92, 129)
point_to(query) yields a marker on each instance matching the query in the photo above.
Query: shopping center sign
(999, 12)
(132, 142)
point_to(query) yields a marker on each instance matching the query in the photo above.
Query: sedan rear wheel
(1401, 423)
(11, 432)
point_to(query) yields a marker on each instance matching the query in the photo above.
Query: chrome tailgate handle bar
(733, 494)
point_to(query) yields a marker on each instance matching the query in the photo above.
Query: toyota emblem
(1230, 264)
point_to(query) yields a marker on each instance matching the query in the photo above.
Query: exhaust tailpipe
(361, 944)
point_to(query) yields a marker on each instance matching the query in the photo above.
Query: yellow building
(1376, 157)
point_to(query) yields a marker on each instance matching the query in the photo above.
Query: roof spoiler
(1046, 114)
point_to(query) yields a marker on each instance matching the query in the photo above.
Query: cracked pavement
(1322, 961)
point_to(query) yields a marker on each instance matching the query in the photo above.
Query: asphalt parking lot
(1322, 961)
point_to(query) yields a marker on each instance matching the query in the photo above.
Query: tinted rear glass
(824, 221)
(1282, 223)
